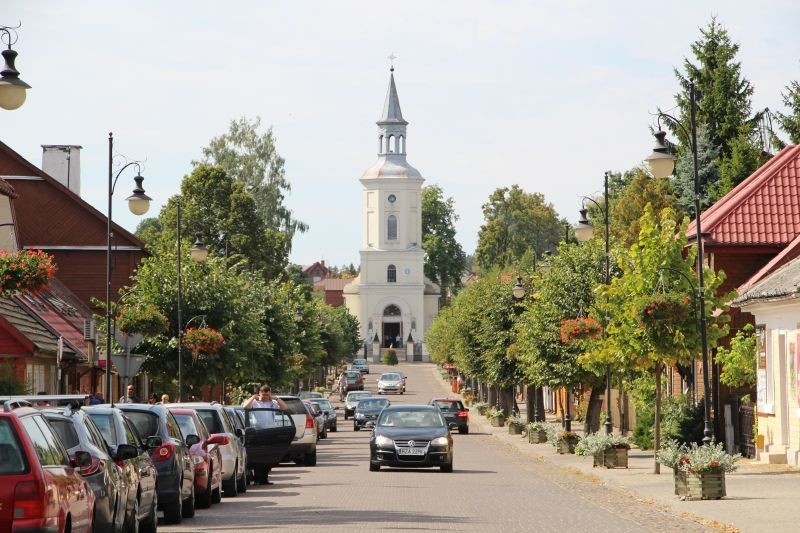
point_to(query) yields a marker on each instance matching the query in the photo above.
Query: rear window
(106, 427)
(146, 423)
(373, 404)
(449, 405)
(295, 406)
(49, 449)
(187, 425)
(323, 404)
(353, 374)
(11, 456)
(65, 431)
(211, 419)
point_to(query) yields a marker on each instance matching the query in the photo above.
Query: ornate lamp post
(662, 163)
(138, 203)
(583, 232)
(12, 89)
(199, 254)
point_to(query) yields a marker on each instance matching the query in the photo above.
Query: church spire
(391, 107)
(392, 125)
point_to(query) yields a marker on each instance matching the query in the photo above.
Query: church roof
(391, 107)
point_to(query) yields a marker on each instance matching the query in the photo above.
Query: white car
(361, 365)
(391, 382)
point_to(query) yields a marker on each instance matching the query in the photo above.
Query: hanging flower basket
(144, 319)
(203, 341)
(25, 271)
(664, 307)
(578, 329)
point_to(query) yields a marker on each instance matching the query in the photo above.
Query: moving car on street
(391, 382)
(411, 436)
(367, 412)
(361, 365)
(329, 410)
(352, 400)
(350, 380)
(456, 415)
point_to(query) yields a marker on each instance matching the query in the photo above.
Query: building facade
(391, 298)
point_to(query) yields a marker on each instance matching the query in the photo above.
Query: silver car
(234, 455)
(391, 382)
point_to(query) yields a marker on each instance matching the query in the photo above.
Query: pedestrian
(165, 398)
(264, 400)
(130, 395)
(97, 399)
(153, 399)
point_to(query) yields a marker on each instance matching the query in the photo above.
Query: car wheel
(204, 498)
(150, 524)
(241, 484)
(345, 415)
(334, 428)
(310, 459)
(174, 512)
(446, 468)
(374, 467)
(324, 432)
(229, 486)
(188, 505)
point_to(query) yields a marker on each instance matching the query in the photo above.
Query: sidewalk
(761, 497)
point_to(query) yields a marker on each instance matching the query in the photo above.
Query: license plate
(410, 451)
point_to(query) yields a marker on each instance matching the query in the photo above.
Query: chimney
(63, 162)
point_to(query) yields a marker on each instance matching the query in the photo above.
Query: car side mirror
(153, 442)
(219, 439)
(82, 459)
(240, 432)
(191, 440)
(126, 451)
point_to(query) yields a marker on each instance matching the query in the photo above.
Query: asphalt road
(493, 486)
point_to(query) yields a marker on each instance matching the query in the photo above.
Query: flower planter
(537, 437)
(498, 421)
(565, 446)
(612, 458)
(679, 476)
(514, 429)
(705, 485)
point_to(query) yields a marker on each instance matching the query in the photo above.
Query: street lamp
(12, 89)
(199, 253)
(662, 163)
(138, 203)
(583, 232)
(519, 292)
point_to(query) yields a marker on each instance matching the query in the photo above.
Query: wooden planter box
(515, 429)
(565, 446)
(537, 437)
(705, 485)
(679, 476)
(612, 458)
(498, 421)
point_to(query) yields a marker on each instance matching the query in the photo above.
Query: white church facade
(391, 298)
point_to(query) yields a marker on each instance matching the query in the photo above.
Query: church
(391, 297)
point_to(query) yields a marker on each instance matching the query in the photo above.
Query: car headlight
(440, 441)
(380, 440)
(359, 415)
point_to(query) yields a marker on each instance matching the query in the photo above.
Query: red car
(40, 487)
(206, 456)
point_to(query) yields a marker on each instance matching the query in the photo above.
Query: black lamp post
(12, 89)
(519, 292)
(199, 254)
(661, 163)
(583, 232)
(138, 203)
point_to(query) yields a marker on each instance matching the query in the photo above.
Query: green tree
(445, 260)
(516, 223)
(739, 361)
(251, 158)
(790, 121)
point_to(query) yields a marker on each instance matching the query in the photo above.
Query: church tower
(391, 297)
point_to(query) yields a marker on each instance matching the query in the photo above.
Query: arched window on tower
(392, 144)
(391, 274)
(401, 145)
(391, 228)
(380, 144)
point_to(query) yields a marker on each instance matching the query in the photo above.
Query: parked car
(78, 432)
(206, 456)
(361, 365)
(319, 419)
(350, 380)
(367, 412)
(175, 479)
(139, 470)
(391, 382)
(455, 414)
(307, 395)
(351, 401)
(303, 449)
(411, 436)
(40, 487)
(268, 434)
(329, 410)
(234, 455)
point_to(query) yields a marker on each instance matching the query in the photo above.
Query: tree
(739, 361)
(516, 222)
(252, 159)
(790, 122)
(445, 260)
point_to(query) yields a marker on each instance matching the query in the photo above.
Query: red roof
(762, 210)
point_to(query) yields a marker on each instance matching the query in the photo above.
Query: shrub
(390, 357)
(595, 443)
(9, 384)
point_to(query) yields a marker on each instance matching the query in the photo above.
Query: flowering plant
(557, 437)
(203, 341)
(663, 307)
(599, 442)
(575, 329)
(494, 412)
(25, 270)
(144, 318)
(697, 458)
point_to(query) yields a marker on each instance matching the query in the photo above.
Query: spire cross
(391, 58)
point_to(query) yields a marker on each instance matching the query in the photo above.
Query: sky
(544, 94)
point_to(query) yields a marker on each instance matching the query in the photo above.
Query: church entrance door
(392, 327)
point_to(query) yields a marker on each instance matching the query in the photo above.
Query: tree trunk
(560, 400)
(657, 422)
(592, 422)
(531, 396)
(493, 399)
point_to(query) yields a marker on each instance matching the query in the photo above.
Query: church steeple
(392, 125)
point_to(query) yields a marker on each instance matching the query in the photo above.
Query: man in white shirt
(264, 419)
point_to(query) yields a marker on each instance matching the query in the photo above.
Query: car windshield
(377, 403)
(360, 362)
(356, 397)
(211, 420)
(323, 404)
(411, 419)
(390, 377)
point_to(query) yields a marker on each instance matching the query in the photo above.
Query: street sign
(128, 365)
